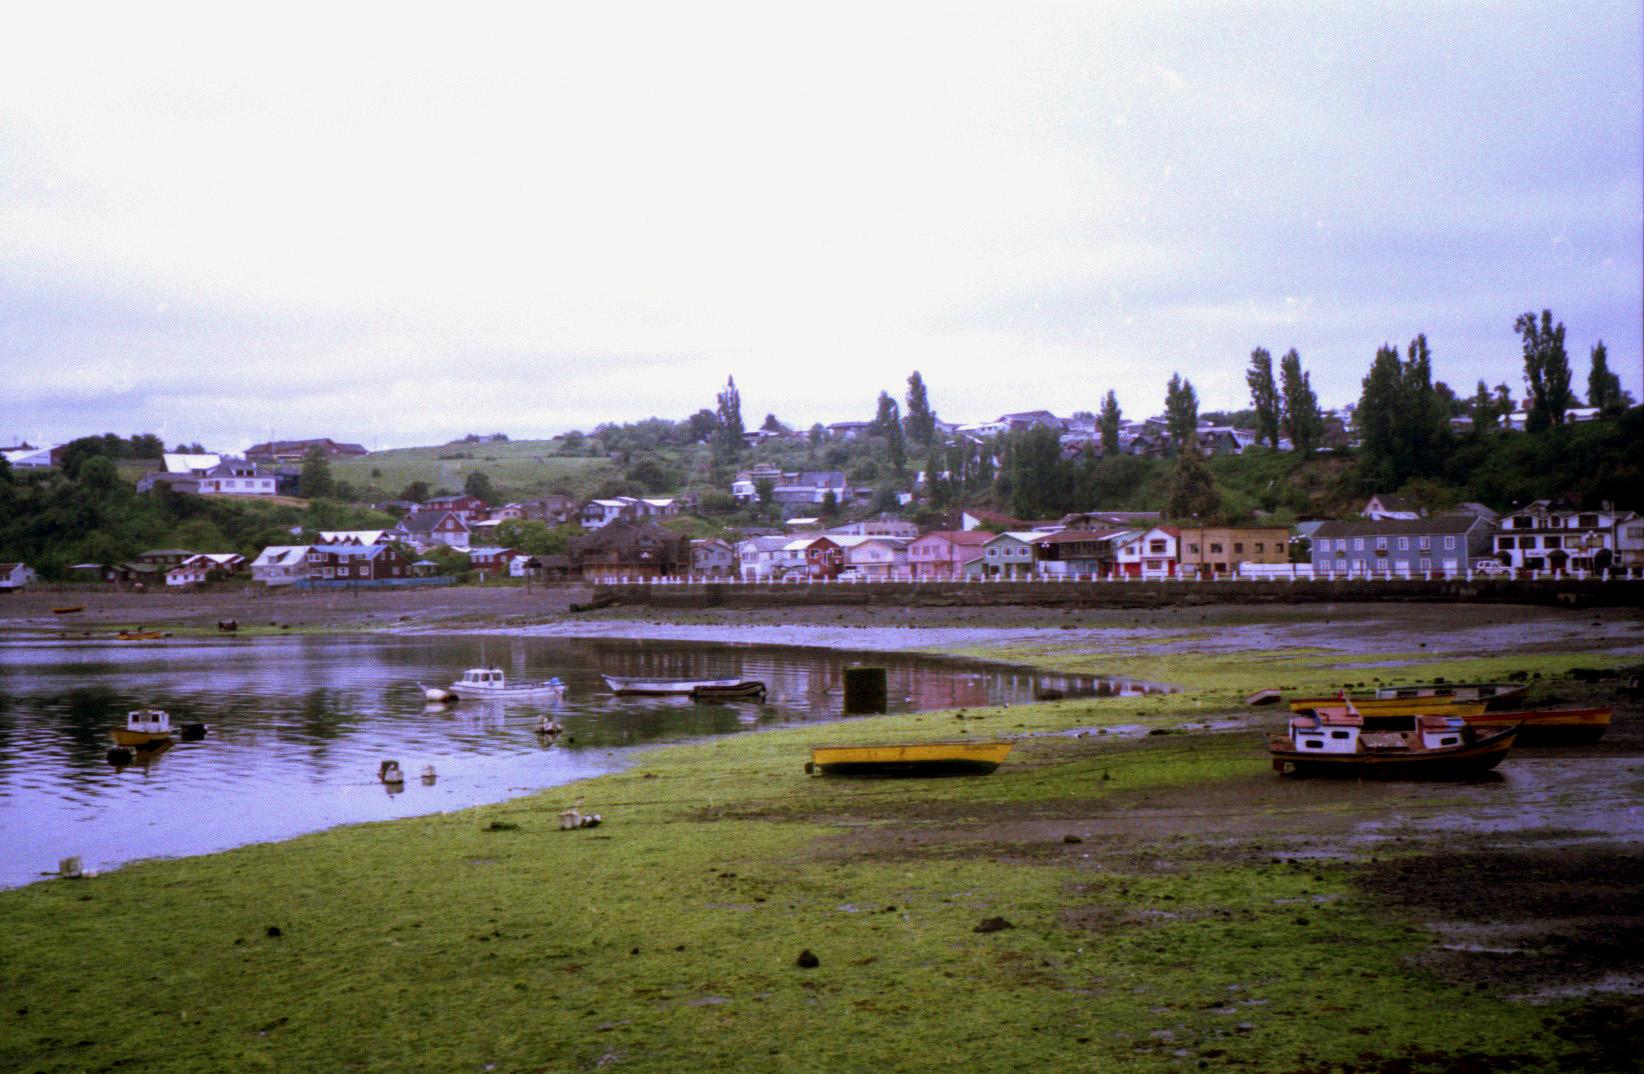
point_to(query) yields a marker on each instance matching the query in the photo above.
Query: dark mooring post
(864, 690)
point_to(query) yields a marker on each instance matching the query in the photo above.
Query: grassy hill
(517, 468)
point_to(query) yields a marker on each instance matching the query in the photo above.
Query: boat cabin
(149, 721)
(1440, 731)
(482, 677)
(1327, 731)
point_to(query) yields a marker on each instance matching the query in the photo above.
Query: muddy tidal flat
(1134, 889)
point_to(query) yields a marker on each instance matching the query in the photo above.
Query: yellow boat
(144, 728)
(1396, 706)
(909, 759)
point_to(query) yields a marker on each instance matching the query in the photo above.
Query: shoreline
(1165, 898)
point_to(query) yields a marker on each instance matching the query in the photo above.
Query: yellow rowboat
(909, 759)
(1396, 706)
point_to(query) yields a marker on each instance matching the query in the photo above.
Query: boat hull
(1395, 706)
(741, 691)
(633, 685)
(1457, 762)
(139, 739)
(1548, 725)
(909, 759)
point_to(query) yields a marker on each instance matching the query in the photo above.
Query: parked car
(1491, 568)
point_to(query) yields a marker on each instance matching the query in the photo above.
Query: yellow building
(1210, 551)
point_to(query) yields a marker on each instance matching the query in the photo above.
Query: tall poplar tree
(1298, 407)
(888, 424)
(728, 434)
(1181, 411)
(1603, 385)
(920, 421)
(1546, 369)
(1108, 422)
(1264, 396)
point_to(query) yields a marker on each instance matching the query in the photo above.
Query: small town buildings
(1219, 551)
(976, 518)
(1556, 535)
(1386, 505)
(791, 489)
(491, 561)
(599, 513)
(882, 526)
(163, 557)
(1005, 555)
(177, 462)
(424, 529)
(355, 537)
(764, 558)
(236, 477)
(188, 575)
(1082, 552)
(280, 564)
(185, 482)
(625, 549)
(1629, 542)
(944, 553)
(875, 559)
(356, 563)
(1410, 547)
(466, 507)
(849, 430)
(1153, 553)
(824, 556)
(29, 458)
(713, 558)
(14, 576)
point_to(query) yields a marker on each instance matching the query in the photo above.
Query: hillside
(517, 469)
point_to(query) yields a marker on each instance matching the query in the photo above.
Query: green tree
(416, 492)
(98, 476)
(728, 438)
(888, 424)
(920, 423)
(816, 435)
(315, 481)
(1193, 493)
(1181, 411)
(1110, 421)
(1036, 478)
(1298, 406)
(1603, 385)
(1264, 396)
(1424, 415)
(764, 488)
(830, 504)
(76, 452)
(478, 484)
(1546, 369)
(1381, 452)
(1483, 409)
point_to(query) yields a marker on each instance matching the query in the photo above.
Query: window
(1449, 542)
(1404, 544)
(1192, 549)
(1260, 548)
(1358, 544)
(1215, 549)
(1324, 545)
(1425, 543)
(1426, 564)
(1238, 548)
(1381, 544)
(1587, 522)
(1338, 734)
(1552, 540)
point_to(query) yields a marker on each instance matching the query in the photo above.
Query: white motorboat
(491, 682)
(645, 685)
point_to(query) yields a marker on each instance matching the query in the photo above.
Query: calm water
(299, 725)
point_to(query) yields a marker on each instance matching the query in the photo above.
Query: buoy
(389, 772)
(428, 774)
(120, 755)
(193, 732)
(438, 695)
(547, 725)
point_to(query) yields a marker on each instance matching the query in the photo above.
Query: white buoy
(428, 774)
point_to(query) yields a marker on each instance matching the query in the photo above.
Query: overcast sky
(222, 222)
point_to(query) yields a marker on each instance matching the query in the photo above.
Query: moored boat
(139, 635)
(1548, 725)
(1334, 742)
(631, 684)
(909, 759)
(1430, 705)
(491, 682)
(1411, 700)
(144, 728)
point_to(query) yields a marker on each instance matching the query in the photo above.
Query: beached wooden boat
(1548, 725)
(140, 635)
(68, 609)
(633, 684)
(144, 728)
(751, 689)
(1386, 700)
(1334, 742)
(909, 759)
(1371, 706)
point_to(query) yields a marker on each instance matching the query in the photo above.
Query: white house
(29, 458)
(761, 559)
(179, 463)
(236, 477)
(190, 572)
(879, 559)
(16, 576)
(280, 564)
(1556, 535)
(1151, 553)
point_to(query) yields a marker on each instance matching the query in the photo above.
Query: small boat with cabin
(1335, 742)
(909, 759)
(630, 684)
(144, 728)
(491, 682)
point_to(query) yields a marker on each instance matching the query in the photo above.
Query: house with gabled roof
(624, 549)
(424, 529)
(1153, 553)
(944, 553)
(1084, 552)
(280, 564)
(1413, 547)
(1558, 535)
(1006, 555)
(15, 576)
(1385, 505)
